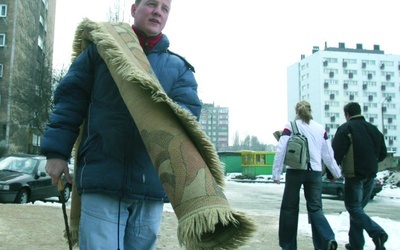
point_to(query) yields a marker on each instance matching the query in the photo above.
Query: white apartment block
(330, 78)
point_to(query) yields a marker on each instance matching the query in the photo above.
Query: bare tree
(249, 143)
(119, 11)
(246, 143)
(236, 143)
(32, 100)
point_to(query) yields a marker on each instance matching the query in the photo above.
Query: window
(2, 40)
(3, 10)
(40, 42)
(41, 20)
(388, 63)
(46, 4)
(1, 70)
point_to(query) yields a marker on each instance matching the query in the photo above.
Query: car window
(7, 163)
(18, 164)
(27, 165)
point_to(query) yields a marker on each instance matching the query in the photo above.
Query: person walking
(121, 193)
(310, 177)
(320, 151)
(358, 147)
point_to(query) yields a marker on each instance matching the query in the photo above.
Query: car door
(42, 187)
(328, 187)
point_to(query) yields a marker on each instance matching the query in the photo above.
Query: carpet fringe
(215, 228)
(74, 235)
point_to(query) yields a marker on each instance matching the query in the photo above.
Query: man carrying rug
(119, 186)
(130, 107)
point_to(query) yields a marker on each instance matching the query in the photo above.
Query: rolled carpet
(185, 159)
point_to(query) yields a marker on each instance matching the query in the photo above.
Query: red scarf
(147, 43)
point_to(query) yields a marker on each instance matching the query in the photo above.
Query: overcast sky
(241, 49)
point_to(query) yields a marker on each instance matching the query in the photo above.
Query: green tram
(249, 163)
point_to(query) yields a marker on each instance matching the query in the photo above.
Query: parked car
(23, 179)
(337, 187)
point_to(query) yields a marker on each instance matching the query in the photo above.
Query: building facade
(335, 76)
(26, 49)
(214, 121)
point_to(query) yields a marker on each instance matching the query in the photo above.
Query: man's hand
(55, 168)
(277, 181)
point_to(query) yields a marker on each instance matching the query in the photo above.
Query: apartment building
(334, 76)
(214, 121)
(26, 47)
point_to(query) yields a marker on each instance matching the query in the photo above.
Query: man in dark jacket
(121, 193)
(358, 147)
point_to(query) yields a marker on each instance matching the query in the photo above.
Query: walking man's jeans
(357, 195)
(289, 214)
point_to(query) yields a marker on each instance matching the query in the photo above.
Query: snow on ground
(340, 222)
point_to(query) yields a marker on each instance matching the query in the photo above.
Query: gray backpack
(297, 154)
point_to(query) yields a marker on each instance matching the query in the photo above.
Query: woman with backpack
(309, 175)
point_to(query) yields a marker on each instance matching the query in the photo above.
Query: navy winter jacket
(368, 146)
(112, 158)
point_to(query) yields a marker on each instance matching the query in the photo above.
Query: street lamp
(387, 98)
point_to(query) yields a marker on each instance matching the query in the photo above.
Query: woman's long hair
(303, 111)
